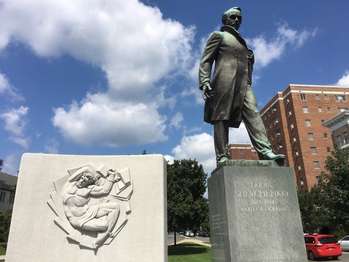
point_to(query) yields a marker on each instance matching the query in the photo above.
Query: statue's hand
(207, 91)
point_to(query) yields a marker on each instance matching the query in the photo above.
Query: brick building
(339, 126)
(294, 121)
(242, 151)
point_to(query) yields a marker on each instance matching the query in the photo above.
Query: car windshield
(327, 240)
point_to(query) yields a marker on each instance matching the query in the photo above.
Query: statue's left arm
(207, 60)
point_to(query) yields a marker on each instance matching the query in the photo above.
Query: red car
(319, 246)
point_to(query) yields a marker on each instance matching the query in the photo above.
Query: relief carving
(92, 204)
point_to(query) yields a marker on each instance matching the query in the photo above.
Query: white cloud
(11, 164)
(4, 84)
(239, 135)
(169, 159)
(132, 43)
(7, 89)
(101, 121)
(266, 51)
(177, 120)
(199, 147)
(52, 146)
(15, 122)
(344, 80)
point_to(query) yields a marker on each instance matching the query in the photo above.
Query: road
(343, 258)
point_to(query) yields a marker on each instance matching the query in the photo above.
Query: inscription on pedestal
(254, 215)
(261, 197)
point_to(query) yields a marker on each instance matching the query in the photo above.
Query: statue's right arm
(208, 58)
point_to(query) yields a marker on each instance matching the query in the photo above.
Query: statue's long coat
(233, 63)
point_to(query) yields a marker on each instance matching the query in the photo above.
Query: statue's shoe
(272, 156)
(222, 160)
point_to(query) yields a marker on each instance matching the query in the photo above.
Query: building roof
(342, 117)
(8, 179)
(301, 88)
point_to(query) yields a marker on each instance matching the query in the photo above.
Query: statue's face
(233, 18)
(85, 180)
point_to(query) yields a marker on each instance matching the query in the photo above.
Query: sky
(116, 77)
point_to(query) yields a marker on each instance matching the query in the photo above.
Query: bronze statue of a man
(228, 93)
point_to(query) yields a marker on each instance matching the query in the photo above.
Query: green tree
(327, 204)
(5, 221)
(335, 185)
(186, 186)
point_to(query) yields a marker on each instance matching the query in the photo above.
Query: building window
(276, 121)
(328, 149)
(329, 109)
(322, 120)
(287, 100)
(345, 138)
(342, 109)
(316, 164)
(11, 198)
(326, 97)
(303, 97)
(294, 139)
(319, 109)
(305, 109)
(317, 97)
(2, 196)
(274, 109)
(325, 135)
(299, 168)
(340, 98)
(307, 123)
(313, 150)
(297, 154)
(290, 113)
(292, 126)
(339, 140)
(311, 136)
(281, 146)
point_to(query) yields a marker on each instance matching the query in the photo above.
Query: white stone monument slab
(73, 208)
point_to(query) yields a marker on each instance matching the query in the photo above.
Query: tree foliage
(5, 220)
(327, 204)
(186, 186)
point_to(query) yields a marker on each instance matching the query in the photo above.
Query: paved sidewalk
(195, 241)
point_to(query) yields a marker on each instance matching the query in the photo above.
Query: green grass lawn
(188, 252)
(2, 251)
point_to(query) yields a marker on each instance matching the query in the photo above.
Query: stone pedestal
(121, 216)
(254, 214)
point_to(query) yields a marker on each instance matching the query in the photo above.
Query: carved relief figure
(92, 205)
(82, 213)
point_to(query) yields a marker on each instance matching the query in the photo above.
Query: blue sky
(120, 77)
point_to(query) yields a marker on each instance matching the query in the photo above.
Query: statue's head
(85, 180)
(232, 17)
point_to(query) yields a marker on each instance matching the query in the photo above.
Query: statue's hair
(227, 13)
